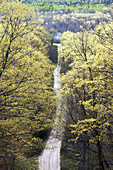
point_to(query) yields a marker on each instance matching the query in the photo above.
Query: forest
(28, 102)
(87, 84)
(68, 6)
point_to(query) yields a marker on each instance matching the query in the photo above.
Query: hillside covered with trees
(74, 22)
(68, 6)
(27, 101)
(61, 16)
(87, 92)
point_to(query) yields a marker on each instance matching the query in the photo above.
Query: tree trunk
(100, 157)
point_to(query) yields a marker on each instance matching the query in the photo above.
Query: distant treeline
(69, 1)
(69, 5)
(74, 22)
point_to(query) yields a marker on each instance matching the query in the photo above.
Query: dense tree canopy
(88, 88)
(27, 101)
(68, 6)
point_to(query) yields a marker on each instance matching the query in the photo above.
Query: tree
(27, 102)
(89, 79)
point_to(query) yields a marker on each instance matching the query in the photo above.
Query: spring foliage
(27, 101)
(88, 57)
